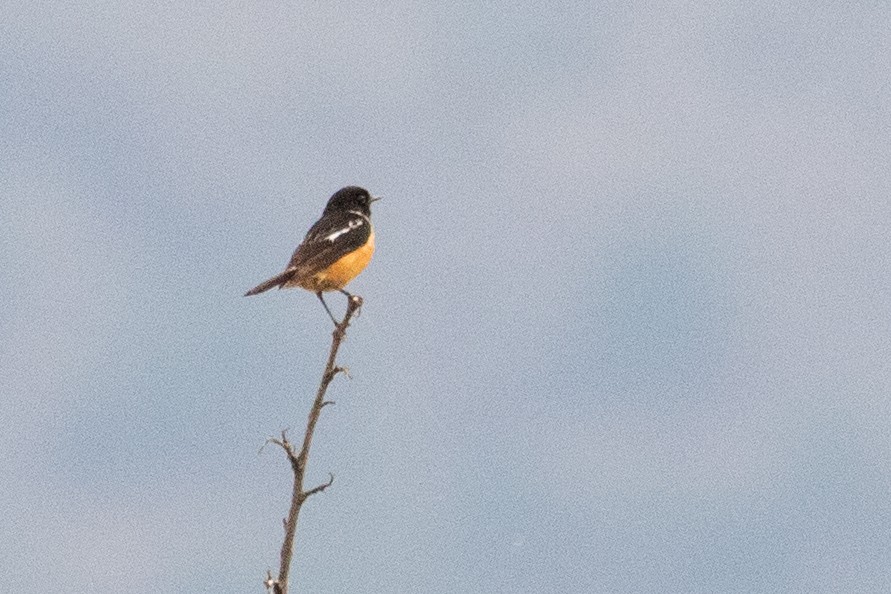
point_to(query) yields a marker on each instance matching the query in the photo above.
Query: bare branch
(298, 461)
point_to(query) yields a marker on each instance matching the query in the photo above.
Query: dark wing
(331, 238)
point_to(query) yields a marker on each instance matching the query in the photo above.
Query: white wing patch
(353, 224)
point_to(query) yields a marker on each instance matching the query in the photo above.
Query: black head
(350, 198)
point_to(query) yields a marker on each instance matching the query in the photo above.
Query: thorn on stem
(320, 488)
(269, 582)
(282, 444)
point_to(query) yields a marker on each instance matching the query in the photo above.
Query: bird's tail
(276, 281)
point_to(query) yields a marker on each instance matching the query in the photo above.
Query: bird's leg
(353, 301)
(322, 299)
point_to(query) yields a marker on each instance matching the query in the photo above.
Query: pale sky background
(627, 327)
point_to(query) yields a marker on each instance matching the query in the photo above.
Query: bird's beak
(375, 198)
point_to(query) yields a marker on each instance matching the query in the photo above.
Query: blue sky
(627, 327)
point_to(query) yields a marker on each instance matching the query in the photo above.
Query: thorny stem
(298, 460)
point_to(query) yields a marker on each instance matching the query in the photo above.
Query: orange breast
(344, 270)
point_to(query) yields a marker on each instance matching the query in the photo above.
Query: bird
(335, 250)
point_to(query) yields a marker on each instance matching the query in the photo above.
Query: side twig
(298, 459)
